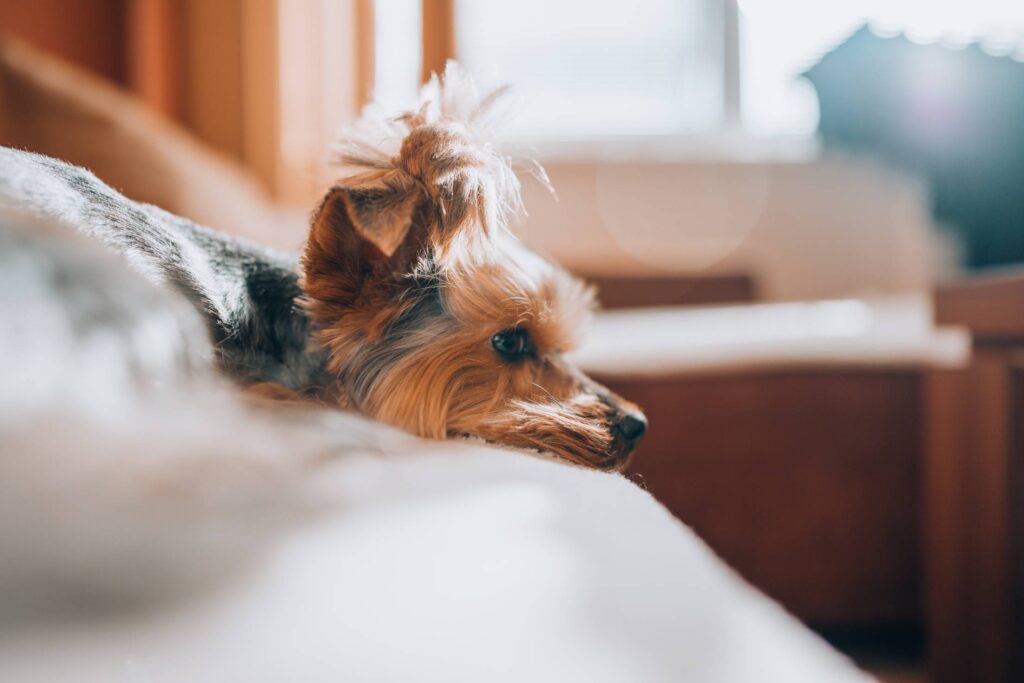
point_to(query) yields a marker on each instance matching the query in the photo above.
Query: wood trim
(303, 92)
(261, 86)
(992, 306)
(1015, 509)
(215, 106)
(968, 450)
(973, 488)
(365, 52)
(630, 292)
(153, 51)
(324, 80)
(438, 36)
(272, 82)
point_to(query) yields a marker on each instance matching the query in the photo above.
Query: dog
(412, 302)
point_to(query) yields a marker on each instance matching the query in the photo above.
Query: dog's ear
(375, 219)
(359, 232)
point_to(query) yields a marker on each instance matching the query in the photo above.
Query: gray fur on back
(246, 294)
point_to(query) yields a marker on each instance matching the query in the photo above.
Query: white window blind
(588, 68)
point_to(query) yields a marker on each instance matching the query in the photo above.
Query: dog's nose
(632, 426)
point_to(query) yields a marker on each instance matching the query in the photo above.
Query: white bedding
(422, 561)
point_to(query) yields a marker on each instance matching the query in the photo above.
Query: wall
(808, 229)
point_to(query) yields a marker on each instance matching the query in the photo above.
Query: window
(779, 39)
(587, 69)
(398, 40)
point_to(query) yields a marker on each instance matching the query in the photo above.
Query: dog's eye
(511, 344)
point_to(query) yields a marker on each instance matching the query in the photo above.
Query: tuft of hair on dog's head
(443, 156)
(436, 318)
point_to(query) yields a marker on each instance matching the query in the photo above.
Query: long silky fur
(445, 148)
(410, 270)
(130, 472)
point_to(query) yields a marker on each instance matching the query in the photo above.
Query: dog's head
(437, 319)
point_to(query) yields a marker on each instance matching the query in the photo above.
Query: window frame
(729, 138)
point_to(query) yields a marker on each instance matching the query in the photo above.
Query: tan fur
(269, 392)
(409, 272)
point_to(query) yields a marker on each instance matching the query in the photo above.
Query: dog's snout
(631, 426)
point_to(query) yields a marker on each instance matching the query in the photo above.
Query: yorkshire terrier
(412, 302)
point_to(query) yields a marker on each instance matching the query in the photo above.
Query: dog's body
(247, 294)
(411, 304)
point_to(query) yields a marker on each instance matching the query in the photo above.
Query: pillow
(58, 109)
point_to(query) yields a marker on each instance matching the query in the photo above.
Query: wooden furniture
(973, 489)
(804, 480)
(865, 494)
(631, 291)
(789, 437)
(858, 494)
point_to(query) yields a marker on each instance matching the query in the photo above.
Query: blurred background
(804, 219)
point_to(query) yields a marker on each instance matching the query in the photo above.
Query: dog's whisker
(549, 395)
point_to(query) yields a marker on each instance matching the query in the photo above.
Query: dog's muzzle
(628, 427)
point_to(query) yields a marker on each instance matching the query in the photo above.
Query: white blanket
(414, 561)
